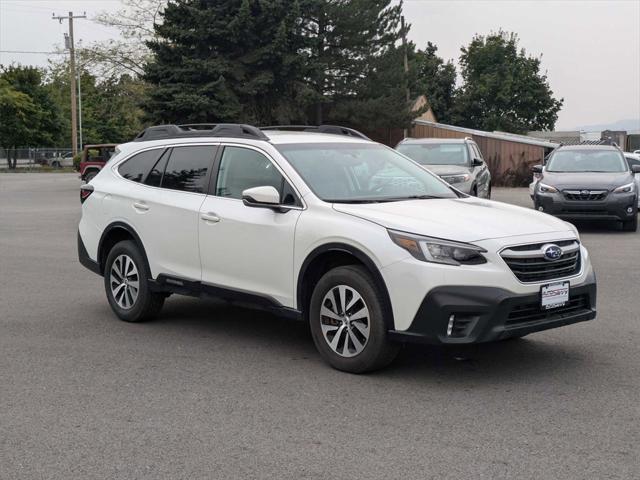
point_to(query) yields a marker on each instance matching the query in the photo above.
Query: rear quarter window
(138, 166)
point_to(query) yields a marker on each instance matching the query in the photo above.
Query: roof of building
(509, 137)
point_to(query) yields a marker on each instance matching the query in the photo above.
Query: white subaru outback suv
(326, 226)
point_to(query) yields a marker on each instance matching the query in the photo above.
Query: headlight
(451, 179)
(436, 250)
(628, 188)
(544, 188)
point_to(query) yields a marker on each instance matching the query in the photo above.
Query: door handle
(210, 217)
(141, 206)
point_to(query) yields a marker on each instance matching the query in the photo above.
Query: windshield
(436, 153)
(587, 161)
(361, 173)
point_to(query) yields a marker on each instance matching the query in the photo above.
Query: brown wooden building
(509, 156)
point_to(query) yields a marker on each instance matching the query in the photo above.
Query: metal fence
(37, 157)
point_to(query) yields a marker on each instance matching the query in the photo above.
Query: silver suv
(457, 161)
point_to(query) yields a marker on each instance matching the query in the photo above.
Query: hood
(447, 169)
(464, 219)
(587, 180)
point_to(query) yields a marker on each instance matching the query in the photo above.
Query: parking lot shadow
(193, 320)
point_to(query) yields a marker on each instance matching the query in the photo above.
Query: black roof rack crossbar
(333, 129)
(233, 130)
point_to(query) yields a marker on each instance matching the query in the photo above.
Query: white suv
(326, 226)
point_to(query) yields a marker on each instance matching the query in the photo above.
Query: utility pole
(72, 75)
(406, 66)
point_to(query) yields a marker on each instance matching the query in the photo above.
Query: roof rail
(235, 130)
(333, 129)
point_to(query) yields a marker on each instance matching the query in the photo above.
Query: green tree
(503, 87)
(16, 111)
(379, 99)
(111, 111)
(436, 80)
(225, 61)
(348, 48)
(28, 114)
(45, 119)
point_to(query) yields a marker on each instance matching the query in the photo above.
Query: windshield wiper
(415, 197)
(356, 200)
(383, 200)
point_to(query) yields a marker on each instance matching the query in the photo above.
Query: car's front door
(242, 248)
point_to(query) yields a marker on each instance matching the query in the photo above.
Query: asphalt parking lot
(213, 391)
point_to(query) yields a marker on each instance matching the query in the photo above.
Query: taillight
(85, 191)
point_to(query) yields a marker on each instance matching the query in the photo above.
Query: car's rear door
(246, 249)
(163, 207)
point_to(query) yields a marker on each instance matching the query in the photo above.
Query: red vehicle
(94, 158)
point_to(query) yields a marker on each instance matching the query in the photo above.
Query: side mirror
(477, 162)
(261, 197)
(635, 168)
(536, 169)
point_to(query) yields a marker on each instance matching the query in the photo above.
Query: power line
(32, 51)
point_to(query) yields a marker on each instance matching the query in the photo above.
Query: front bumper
(613, 207)
(484, 314)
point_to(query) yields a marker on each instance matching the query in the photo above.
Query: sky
(590, 48)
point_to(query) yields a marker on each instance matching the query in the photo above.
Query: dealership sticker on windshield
(554, 295)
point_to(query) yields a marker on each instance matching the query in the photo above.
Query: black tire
(630, 225)
(147, 304)
(55, 164)
(89, 176)
(489, 192)
(474, 190)
(377, 351)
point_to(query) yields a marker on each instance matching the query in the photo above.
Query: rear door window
(154, 179)
(138, 166)
(188, 168)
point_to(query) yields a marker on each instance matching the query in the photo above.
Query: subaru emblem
(585, 192)
(552, 252)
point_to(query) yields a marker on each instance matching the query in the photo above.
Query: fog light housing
(541, 208)
(629, 210)
(452, 319)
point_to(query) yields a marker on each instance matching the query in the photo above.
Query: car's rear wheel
(126, 285)
(489, 192)
(348, 321)
(631, 225)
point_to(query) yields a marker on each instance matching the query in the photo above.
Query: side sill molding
(182, 286)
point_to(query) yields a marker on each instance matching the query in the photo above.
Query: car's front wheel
(126, 285)
(348, 321)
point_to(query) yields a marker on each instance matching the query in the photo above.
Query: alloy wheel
(344, 320)
(124, 281)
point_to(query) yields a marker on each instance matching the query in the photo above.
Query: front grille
(583, 211)
(585, 195)
(528, 262)
(533, 312)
